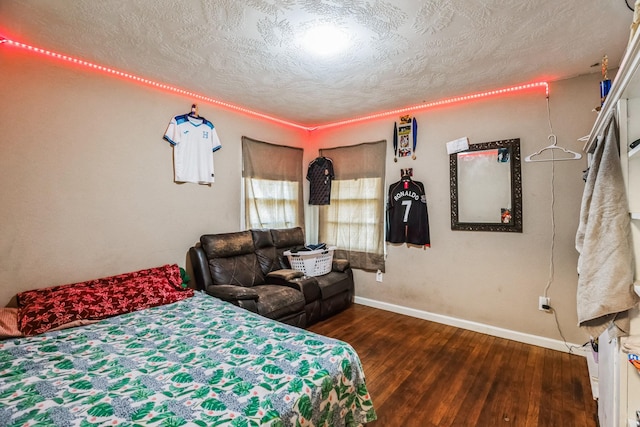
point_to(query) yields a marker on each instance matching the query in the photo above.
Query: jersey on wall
(320, 174)
(193, 139)
(407, 215)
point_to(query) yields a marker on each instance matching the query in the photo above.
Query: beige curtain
(354, 220)
(272, 179)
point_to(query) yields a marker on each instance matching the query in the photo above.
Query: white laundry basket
(312, 263)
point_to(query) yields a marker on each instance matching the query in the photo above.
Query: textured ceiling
(403, 52)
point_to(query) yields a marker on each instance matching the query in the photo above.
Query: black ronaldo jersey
(407, 216)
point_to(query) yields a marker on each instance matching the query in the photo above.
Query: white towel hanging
(553, 146)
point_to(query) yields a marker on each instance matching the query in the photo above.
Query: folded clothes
(316, 247)
(307, 248)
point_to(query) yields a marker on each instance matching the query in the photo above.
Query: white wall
(87, 191)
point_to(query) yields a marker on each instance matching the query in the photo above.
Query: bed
(197, 361)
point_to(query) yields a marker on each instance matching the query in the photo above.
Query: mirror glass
(486, 189)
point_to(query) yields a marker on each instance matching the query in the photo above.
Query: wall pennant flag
(414, 132)
(405, 137)
(395, 142)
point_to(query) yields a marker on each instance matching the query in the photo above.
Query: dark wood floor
(425, 374)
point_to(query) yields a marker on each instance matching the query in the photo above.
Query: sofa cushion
(240, 270)
(232, 259)
(225, 245)
(276, 301)
(284, 240)
(287, 237)
(265, 250)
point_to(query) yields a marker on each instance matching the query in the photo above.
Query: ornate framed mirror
(486, 187)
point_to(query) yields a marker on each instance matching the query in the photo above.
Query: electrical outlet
(379, 276)
(543, 301)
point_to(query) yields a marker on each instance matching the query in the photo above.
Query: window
(272, 180)
(354, 220)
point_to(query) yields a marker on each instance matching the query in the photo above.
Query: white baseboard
(476, 327)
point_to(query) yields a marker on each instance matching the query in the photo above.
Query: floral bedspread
(199, 361)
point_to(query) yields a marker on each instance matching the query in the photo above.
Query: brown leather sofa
(249, 269)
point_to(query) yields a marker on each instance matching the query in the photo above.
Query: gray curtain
(275, 170)
(354, 221)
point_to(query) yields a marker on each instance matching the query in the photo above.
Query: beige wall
(87, 180)
(490, 278)
(87, 191)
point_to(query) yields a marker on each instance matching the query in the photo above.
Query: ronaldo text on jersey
(407, 216)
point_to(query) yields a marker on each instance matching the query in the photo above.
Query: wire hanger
(552, 147)
(194, 111)
(406, 174)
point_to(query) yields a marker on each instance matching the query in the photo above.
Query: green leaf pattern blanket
(197, 362)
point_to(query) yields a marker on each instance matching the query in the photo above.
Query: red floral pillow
(48, 308)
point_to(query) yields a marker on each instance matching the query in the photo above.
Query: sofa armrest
(283, 275)
(200, 266)
(339, 264)
(232, 293)
(307, 285)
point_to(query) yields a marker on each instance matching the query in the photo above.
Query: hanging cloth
(320, 174)
(605, 265)
(194, 139)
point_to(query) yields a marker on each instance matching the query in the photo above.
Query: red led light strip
(227, 105)
(149, 82)
(426, 106)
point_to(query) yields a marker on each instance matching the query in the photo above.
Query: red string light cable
(400, 111)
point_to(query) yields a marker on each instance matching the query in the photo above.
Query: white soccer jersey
(193, 139)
